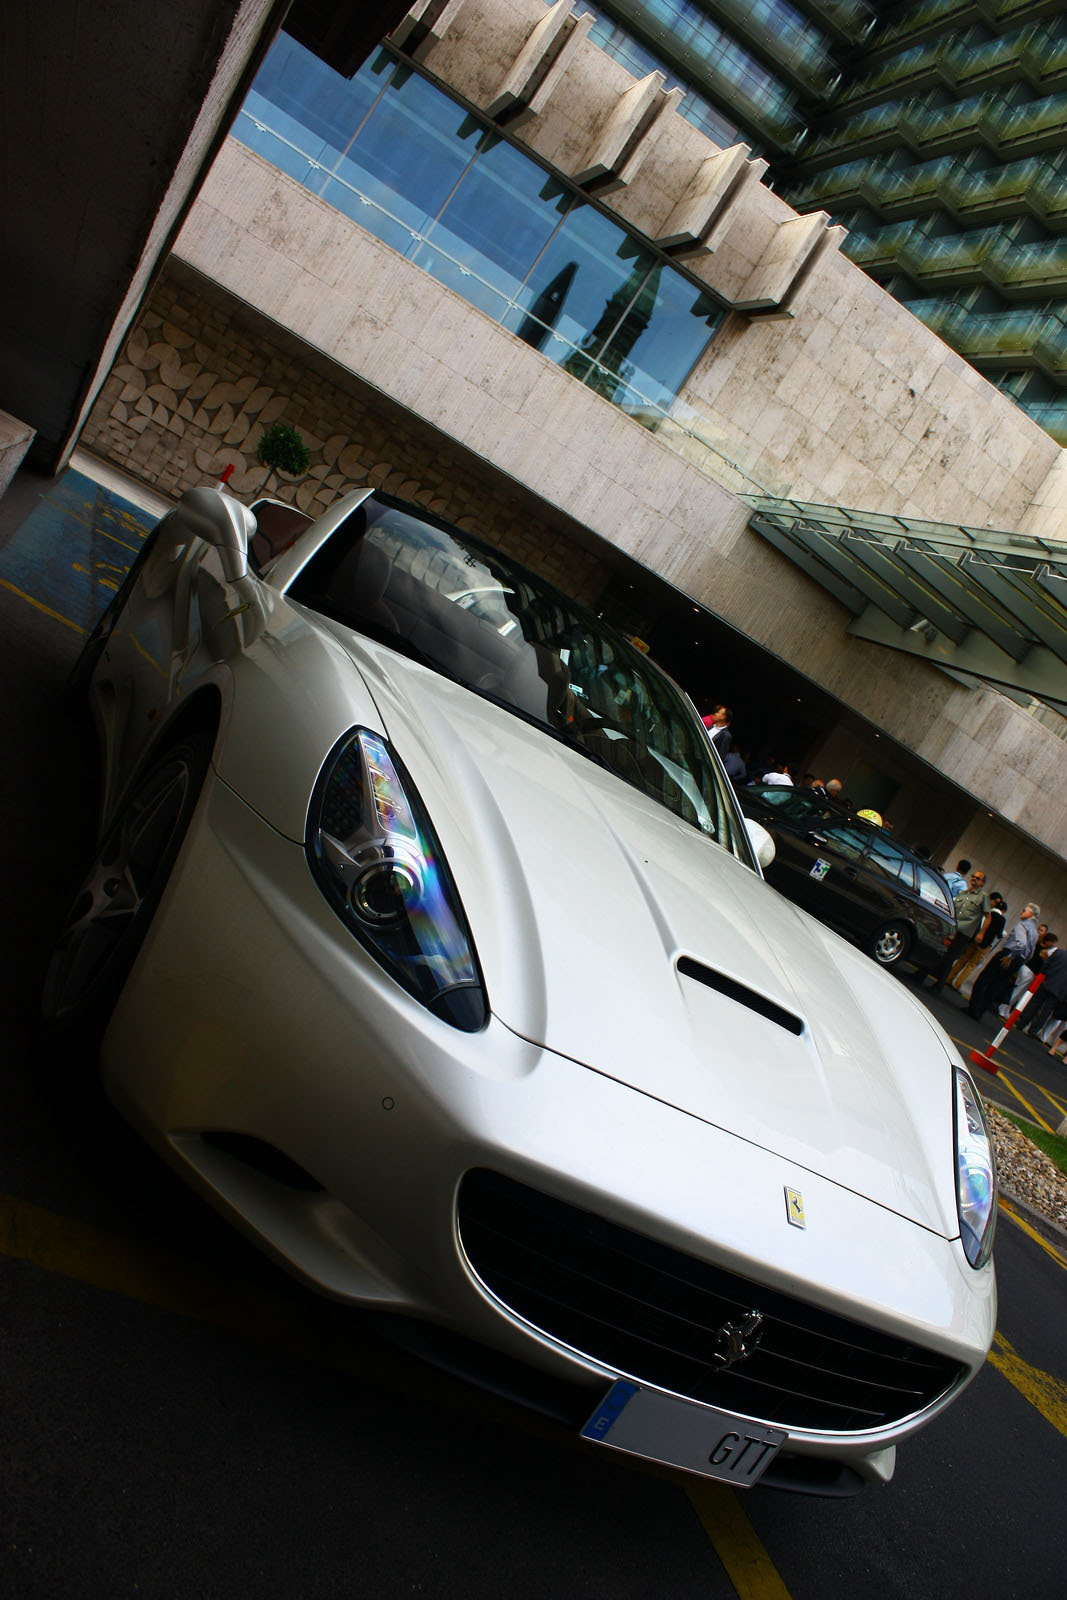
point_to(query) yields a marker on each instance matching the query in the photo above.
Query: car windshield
(471, 613)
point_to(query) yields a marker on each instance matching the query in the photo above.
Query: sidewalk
(66, 542)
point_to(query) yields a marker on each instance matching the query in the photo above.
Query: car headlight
(976, 1173)
(375, 856)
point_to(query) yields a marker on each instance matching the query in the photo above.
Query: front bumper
(323, 1110)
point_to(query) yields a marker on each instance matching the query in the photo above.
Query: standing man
(972, 920)
(993, 983)
(956, 877)
(1024, 976)
(991, 933)
(717, 721)
(1053, 966)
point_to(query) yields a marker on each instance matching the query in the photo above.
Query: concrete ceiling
(110, 114)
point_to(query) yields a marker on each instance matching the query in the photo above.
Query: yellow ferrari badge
(794, 1208)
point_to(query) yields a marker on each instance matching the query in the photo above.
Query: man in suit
(993, 984)
(1053, 967)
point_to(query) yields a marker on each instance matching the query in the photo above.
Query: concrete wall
(829, 389)
(1046, 516)
(1017, 870)
(201, 376)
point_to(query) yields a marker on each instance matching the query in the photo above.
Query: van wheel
(890, 944)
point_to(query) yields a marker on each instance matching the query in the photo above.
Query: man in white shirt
(781, 777)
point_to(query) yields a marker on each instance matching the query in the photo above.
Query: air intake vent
(653, 1313)
(737, 991)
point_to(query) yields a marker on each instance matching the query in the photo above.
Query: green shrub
(281, 449)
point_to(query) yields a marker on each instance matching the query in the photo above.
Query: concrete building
(497, 274)
(934, 130)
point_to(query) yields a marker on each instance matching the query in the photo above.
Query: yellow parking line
(1000, 1060)
(748, 1566)
(133, 526)
(1044, 1392)
(1023, 1101)
(1032, 1233)
(40, 607)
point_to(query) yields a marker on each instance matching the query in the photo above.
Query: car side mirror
(760, 840)
(220, 521)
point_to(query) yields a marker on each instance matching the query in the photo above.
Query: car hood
(583, 895)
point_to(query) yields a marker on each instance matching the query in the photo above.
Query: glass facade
(440, 186)
(913, 125)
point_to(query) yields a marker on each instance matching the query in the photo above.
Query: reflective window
(932, 889)
(887, 858)
(711, 59)
(847, 841)
(795, 802)
(412, 166)
(440, 597)
(406, 158)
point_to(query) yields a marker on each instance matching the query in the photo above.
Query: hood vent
(737, 991)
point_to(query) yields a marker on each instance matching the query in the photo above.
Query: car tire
(889, 944)
(119, 894)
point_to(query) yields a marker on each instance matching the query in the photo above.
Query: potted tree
(281, 449)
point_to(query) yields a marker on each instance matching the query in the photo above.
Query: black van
(853, 875)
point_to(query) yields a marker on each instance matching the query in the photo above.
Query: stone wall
(1046, 517)
(199, 380)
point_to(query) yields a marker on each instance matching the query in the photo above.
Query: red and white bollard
(985, 1059)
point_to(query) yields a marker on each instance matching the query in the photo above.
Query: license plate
(682, 1433)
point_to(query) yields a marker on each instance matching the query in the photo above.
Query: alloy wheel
(113, 907)
(890, 944)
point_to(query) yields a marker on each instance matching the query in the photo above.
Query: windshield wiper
(574, 741)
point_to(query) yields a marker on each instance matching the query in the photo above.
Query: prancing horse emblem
(735, 1341)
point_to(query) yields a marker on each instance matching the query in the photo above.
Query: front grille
(653, 1313)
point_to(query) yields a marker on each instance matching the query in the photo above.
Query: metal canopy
(974, 601)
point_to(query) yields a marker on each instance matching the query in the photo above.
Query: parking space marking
(737, 1545)
(39, 604)
(1053, 1099)
(63, 558)
(1032, 1233)
(1005, 1078)
(297, 1323)
(1044, 1392)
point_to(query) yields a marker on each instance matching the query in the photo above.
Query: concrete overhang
(978, 603)
(112, 112)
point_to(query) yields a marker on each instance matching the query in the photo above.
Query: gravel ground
(1026, 1173)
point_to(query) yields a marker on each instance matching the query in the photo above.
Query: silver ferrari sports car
(426, 940)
